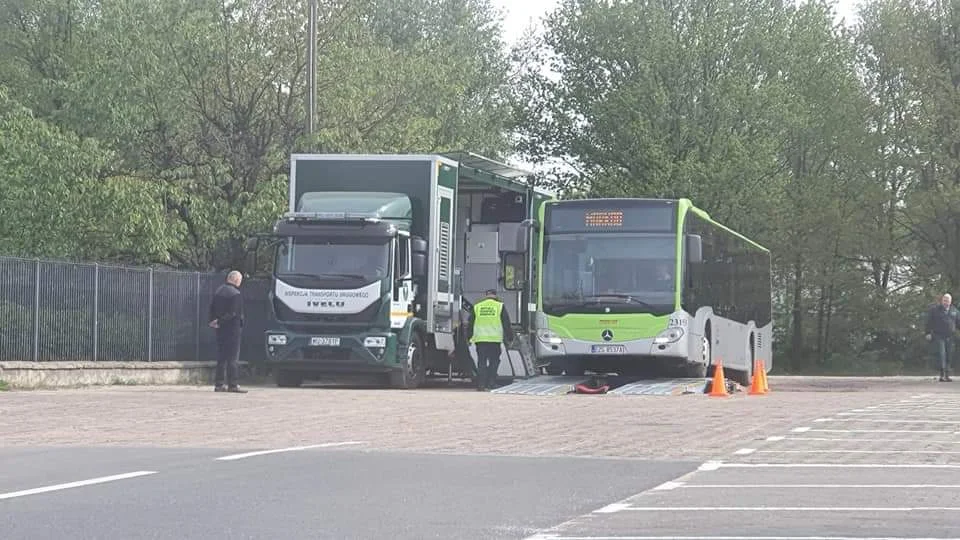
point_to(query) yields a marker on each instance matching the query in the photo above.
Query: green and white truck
(640, 287)
(379, 257)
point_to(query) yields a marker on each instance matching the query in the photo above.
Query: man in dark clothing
(226, 316)
(941, 327)
(489, 324)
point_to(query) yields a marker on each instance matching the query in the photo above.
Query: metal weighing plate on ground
(545, 385)
(661, 387)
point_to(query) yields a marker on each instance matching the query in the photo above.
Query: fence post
(199, 320)
(36, 314)
(150, 318)
(96, 308)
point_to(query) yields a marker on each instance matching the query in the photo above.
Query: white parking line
(80, 483)
(718, 465)
(543, 536)
(745, 451)
(818, 486)
(858, 452)
(848, 439)
(291, 449)
(882, 430)
(889, 420)
(791, 509)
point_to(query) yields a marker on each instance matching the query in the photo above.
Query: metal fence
(89, 312)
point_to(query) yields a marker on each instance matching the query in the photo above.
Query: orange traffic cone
(719, 386)
(756, 385)
(763, 372)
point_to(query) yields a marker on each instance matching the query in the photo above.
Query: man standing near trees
(941, 326)
(226, 316)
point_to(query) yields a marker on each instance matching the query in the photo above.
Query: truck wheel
(414, 369)
(288, 379)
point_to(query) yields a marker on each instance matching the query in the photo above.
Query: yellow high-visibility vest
(487, 327)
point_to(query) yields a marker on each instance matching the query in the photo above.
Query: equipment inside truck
(489, 254)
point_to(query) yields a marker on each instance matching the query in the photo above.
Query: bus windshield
(609, 272)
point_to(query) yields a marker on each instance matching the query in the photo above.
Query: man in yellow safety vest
(489, 324)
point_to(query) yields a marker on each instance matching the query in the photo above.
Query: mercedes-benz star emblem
(607, 334)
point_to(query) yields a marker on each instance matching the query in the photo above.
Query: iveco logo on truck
(325, 303)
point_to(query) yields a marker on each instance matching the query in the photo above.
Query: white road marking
(848, 417)
(745, 451)
(858, 452)
(828, 419)
(291, 449)
(882, 430)
(819, 486)
(792, 509)
(612, 508)
(608, 509)
(834, 466)
(778, 438)
(667, 486)
(710, 466)
(892, 420)
(543, 536)
(80, 483)
(800, 429)
(842, 439)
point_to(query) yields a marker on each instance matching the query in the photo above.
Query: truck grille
(285, 314)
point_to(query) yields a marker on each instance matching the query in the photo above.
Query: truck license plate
(320, 341)
(608, 349)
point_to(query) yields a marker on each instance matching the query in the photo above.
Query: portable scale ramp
(552, 385)
(543, 385)
(661, 387)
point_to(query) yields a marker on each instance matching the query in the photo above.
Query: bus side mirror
(694, 249)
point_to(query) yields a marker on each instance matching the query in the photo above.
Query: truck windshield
(608, 272)
(312, 262)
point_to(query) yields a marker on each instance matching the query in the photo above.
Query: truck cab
(347, 265)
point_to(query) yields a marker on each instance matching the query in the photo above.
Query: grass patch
(4, 386)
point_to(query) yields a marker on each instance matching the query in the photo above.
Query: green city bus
(649, 287)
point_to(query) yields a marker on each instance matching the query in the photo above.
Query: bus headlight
(670, 335)
(548, 337)
(276, 339)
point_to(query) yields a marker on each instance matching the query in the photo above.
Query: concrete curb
(33, 375)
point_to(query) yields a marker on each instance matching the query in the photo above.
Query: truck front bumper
(333, 352)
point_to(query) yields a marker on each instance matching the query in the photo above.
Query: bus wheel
(706, 353)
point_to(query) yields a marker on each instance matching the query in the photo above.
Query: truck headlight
(276, 339)
(670, 335)
(375, 341)
(545, 335)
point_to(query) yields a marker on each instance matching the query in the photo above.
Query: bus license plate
(608, 349)
(319, 341)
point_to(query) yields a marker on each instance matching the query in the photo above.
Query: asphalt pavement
(890, 470)
(333, 492)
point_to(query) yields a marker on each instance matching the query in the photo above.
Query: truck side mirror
(418, 265)
(418, 245)
(694, 249)
(523, 235)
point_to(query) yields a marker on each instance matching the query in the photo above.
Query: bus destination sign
(603, 218)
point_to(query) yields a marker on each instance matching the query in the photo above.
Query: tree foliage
(835, 147)
(199, 103)
(160, 132)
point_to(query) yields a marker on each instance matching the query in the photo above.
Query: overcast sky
(520, 13)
